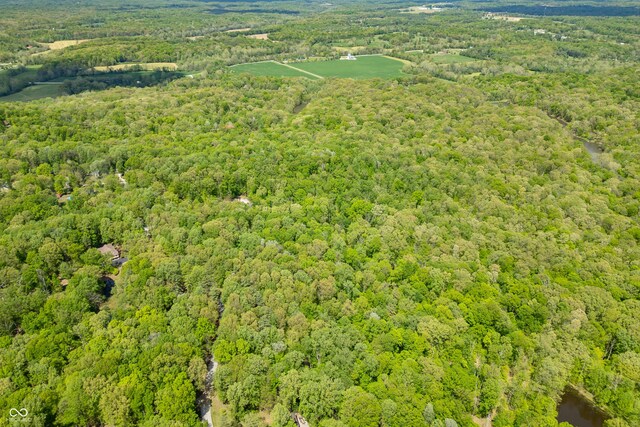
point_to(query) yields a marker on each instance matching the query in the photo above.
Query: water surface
(578, 411)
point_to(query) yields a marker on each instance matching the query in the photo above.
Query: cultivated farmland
(269, 68)
(364, 67)
(32, 93)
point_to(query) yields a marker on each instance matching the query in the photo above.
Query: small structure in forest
(119, 262)
(109, 250)
(243, 199)
(299, 420)
(121, 179)
(64, 198)
(349, 57)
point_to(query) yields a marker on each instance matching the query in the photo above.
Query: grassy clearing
(30, 72)
(148, 66)
(449, 58)
(269, 68)
(365, 67)
(110, 76)
(53, 88)
(32, 93)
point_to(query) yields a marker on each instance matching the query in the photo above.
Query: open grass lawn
(108, 76)
(31, 93)
(364, 67)
(268, 69)
(54, 88)
(448, 58)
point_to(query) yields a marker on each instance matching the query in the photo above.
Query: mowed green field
(31, 93)
(365, 67)
(269, 68)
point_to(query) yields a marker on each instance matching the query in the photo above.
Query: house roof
(109, 249)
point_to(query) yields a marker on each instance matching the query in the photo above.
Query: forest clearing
(450, 58)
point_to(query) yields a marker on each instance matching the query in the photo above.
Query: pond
(578, 411)
(593, 149)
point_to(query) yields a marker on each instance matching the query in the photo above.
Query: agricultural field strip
(254, 62)
(280, 63)
(404, 61)
(302, 71)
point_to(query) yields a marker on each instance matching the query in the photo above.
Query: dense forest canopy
(452, 247)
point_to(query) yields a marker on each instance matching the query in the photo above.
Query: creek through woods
(579, 411)
(205, 400)
(594, 150)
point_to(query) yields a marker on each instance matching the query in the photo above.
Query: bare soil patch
(60, 44)
(263, 36)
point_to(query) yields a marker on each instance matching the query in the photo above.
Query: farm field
(54, 88)
(365, 67)
(269, 68)
(32, 93)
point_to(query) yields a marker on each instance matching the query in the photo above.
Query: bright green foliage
(360, 409)
(397, 252)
